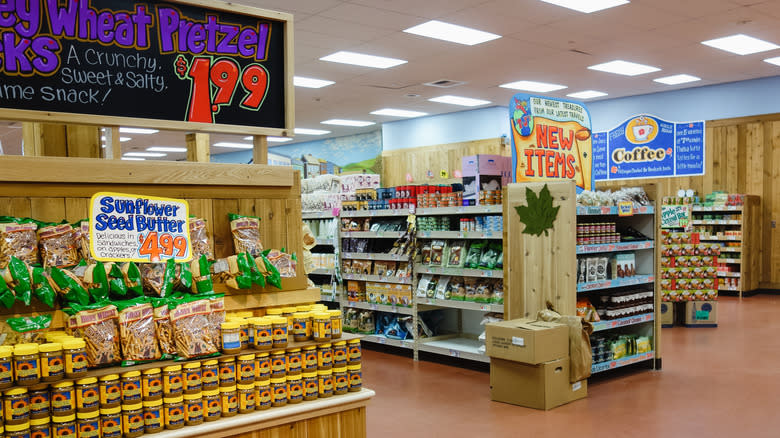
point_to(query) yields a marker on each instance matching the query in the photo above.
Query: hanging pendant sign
(135, 228)
(551, 140)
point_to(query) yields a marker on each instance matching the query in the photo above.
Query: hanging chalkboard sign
(184, 65)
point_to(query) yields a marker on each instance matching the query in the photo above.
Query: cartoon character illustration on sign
(524, 121)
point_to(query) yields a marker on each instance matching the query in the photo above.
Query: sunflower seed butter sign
(645, 146)
(134, 228)
(551, 140)
(149, 60)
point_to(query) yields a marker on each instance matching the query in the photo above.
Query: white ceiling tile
(341, 28)
(378, 17)
(422, 8)
(304, 6)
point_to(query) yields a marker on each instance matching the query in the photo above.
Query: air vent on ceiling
(444, 83)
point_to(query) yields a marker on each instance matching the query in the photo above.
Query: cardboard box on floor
(701, 313)
(542, 386)
(667, 314)
(527, 340)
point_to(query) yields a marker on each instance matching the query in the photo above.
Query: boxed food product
(701, 313)
(356, 290)
(527, 340)
(667, 314)
(542, 386)
(623, 265)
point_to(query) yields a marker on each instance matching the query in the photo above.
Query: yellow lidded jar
(110, 391)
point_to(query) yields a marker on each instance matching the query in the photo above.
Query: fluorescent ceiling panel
(625, 68)
(362, 59)
(307, 131)
(587, 94)
(145, 154)
(300, 81)
(121, 139)
(587, 6)
(133, 159)
(392, 112)
(228, 144)
(138, 131)
(345, 122)
(165, 149)
(677, 79)
(458, 100)
(279, 139)
(775, 60)
(741, 44)
(452, 32)
(539, 87)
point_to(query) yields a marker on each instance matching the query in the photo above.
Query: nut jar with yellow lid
(63, 398)
(262, 394)
(63, 425)
(6, 366)
(227, 371)
(340, 353)
(193, 378)
(355, 378)
(273, 311)
(40, 402)
(294, 361)
(278, 363)
(212, 405)
(321, 327)
(303, 308)
(131, 387)
(21, 430)
(310, 388)
(245, 369)
(229, 398)
(52, 362)
(354, 352)
(40, 428)
(173, 412)
(111, 422)
(209, 370)
(88, 424)
(243, 331)
(263, 333)
(16, 406)
(335, 324)
(133, 420)
(172, 381)
(300, 323)
(262, 366)
(340, 380)
(27, 364)
(193, 409)
(278, 391)
(87, 395)
(246, 397)
(75, 352)
(152, 384)
(153, 416)
(288, 312)
(279, 333)
(324, 356)
(110, 389)
(294, 388)
(325, 383)
(309, 354)
(231, 337)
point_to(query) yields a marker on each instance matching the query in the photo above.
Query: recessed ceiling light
(587, 94)
(133, 159)
(279, 139)
(345, 122)
(300, 81)
(392, 112)
(121, 139)
(741, 44)
(587, 6)
(775, 60)
(307, 131)
(228, 144)
(452, 32)
(144, 154)
(166, 149)
(362, 59)
(539, 87)
(677, 79)
(457, 100)
(138, 131)
(624, 68)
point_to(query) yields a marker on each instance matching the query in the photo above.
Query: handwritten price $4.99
(214, 82)
(155, 245)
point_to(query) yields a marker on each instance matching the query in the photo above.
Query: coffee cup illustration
(642, 132)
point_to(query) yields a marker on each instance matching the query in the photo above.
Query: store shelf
(717, 208)
(718, 239)
(463, 348)
(384, 340)
(477, 209)
(730, 249)
(323, 272)
(716, 222)
(630, 360)
(318, 215)
(465, 305)
(377, 278)
(461, 272)
(614, 247)
(460, 234)
(379, 307)
(618, 282)
(374, 256)
(729, 274)
(621, 322)
(329, 298)
(373, 234)
(604, 211)
(328, 242)
(375, 213)
(730, 289)
(725, 260)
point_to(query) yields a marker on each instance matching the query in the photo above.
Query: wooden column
(260, 151)
(32, 139)
(198, 147)
(83, 141)
(113, 149)
(58, 140)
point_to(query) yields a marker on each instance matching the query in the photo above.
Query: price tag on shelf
(382, 339)
(454, 353)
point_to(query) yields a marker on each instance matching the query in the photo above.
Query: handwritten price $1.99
(214, 82)
(154, 245)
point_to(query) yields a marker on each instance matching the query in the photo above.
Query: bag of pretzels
(137, 333)
(97, 325)
(199, 236)
(163, 327)
(18, 238)
(189, 318)
(59, 246)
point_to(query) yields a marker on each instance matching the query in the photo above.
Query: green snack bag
(28, 329)
(474, 254)
(489, 256)
(185, 276)
(69, 286)
(97, 280)
(116, 281)
(132, 276)
(42, 289)
(20, 273)
(244, 277)
(257, 276)
(6, 294)
(169, 278)
(201, 276)
(273, 277)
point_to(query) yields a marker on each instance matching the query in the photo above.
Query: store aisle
(714, 382)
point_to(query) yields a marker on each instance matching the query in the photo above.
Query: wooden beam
(113, 149)
(198, 147)
(260, 152)
(83, 141)
(54, 140)
(32, 139)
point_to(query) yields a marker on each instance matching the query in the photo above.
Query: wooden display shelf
(250, 300)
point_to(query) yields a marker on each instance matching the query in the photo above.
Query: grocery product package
(59, 246)
(201, 245)
(97, 325)
(25, 330)
(18, 238)
(137, 333)
(189, 317)
(246, 234)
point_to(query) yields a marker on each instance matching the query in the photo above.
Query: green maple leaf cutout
(539, 215)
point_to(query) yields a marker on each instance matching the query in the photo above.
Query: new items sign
(135, 228)
(551, 140)
(172, 62)
(645, 146)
